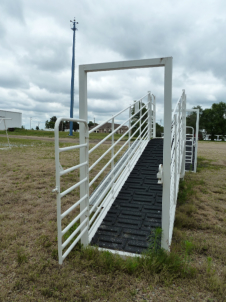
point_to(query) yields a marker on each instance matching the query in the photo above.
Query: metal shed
(15, 122)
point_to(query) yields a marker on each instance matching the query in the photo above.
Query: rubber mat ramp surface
(137, 210)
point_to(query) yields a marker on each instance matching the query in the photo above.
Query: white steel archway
(146, 63)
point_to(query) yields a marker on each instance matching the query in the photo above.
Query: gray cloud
(13, 9)
(36, 48)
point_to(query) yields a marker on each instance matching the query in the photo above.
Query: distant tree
(37, 127)
(64, 125)
(159, 130)
(137, 117)
(90, 124)
(191, 120)
(75, 126)
(213, 120)
(51, 123)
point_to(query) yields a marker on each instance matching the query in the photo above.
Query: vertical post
(129, 126)
(197, 138)
(57, 161)
(154, 116)
(176, 158)
(167, 155)
(150, 119)
(183, 139)
(180, 137)
(83, 133)
(140, 105)
(154, 126)
(112, 143)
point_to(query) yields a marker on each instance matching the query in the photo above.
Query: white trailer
(13, 119)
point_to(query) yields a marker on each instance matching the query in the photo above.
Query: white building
(15, 122)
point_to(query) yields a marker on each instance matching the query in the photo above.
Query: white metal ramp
(88, 211)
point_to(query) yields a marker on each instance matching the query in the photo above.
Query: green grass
(168, 266)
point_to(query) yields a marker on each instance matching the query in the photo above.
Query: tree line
(63, 125)
(211, 121)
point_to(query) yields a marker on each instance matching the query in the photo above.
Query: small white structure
(2, 119)
(13, 119)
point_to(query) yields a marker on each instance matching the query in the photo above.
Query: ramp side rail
(178, 138)
(196, 139)
(140, 128)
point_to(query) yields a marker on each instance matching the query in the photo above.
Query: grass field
(29, 270)
(42, 133)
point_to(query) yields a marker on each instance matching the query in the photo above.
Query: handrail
(98, 126)
(121, 137)
(177, 104)
(101, 171)
(142, 127)
(178, 151)
(108, 136)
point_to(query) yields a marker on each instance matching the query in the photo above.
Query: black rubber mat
(137, 211)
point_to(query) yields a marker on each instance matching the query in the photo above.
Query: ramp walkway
(137, 210)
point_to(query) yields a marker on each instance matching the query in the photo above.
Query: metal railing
(178, 139)
(190, 142)
(82, 202)
(116, 163)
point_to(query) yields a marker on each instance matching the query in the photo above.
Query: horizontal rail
(72, 187)
(72, 147)
(74, 233)
(110, 183)
(73, 207)
(108, 163)
(123, 165)
(73, 221)
(69, 119)
(121, 137)
(74, 243)
(98, 126)
(175, 109)
(72, 168)
(110, 135)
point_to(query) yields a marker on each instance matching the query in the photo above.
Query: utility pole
(72, 75)
(30, 122)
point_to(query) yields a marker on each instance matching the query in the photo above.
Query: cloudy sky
(36, 52)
